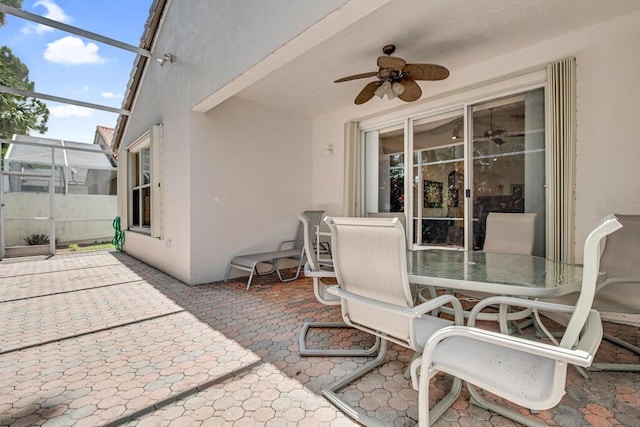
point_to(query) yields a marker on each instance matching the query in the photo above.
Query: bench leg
(251, 271)
(301, 260)
(251, 276)
(226, 278)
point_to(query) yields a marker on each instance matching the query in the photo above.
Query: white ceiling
(453, 33)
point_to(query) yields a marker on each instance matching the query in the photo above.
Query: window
(144, 170)
(141, 188)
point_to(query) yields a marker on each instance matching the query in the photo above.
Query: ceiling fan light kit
(396, 78)
(389, 88)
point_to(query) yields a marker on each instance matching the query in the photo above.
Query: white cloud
(72, 50)
(54, 12)
(111, 95)
(64, 111)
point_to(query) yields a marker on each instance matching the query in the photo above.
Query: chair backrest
(591, 269)
(621, 256)
(620, 296)
(313, 218)
(369, 259)
(400, 215)
(510, 233)
(308, 222)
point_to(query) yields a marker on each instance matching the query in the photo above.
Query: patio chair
(618, 296)
(529, 373)
(369, 259)
(319, 269)
(400, 215)
(287, 249)
(512, 233)
(507, 233)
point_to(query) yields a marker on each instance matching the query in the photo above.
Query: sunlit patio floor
(103, 339)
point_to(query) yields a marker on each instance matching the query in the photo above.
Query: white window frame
(151, 140)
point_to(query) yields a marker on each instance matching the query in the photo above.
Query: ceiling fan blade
(426, 71)
(366, 93)
(391, 62)
(493, 133)
(412, 91)
(357, 76)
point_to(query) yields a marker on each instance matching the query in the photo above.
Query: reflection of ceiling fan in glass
(492, 134)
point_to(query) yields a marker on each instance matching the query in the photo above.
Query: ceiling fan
(396, 78)
(492, 134)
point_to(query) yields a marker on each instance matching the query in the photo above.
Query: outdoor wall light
(328, 150)
(167, 57)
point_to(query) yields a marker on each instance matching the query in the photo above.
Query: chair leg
(621, 367)
(226, 278)
(479, 400)
(304, 351)
(427, 417)
(251, 271)
(251, 277)
(331, 393)
(275, 264)
(300, 262)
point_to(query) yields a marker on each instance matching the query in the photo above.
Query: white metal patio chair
(618, 296)
(319, 269)
(509, 233)
(369, 258)
(529, 373)
(287, 249)
(400, 215)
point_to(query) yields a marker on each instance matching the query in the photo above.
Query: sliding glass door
(448, 171)
(509, 161)
(438, 180)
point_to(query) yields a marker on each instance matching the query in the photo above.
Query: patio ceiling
(453, 33)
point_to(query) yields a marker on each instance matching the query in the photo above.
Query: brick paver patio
(102, 339)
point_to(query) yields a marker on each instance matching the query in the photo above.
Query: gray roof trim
(151, 28)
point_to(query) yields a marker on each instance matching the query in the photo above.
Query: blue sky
(68, 66)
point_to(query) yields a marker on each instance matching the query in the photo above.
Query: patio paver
(103, 339)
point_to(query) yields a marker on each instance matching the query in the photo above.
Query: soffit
(453, 33)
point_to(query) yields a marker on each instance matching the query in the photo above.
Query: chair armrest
(413, 312)
(518, 302)
(317, 273)
(286, 242)
(578, 357)
(582, 356)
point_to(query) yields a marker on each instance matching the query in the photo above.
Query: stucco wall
(213, 42)
(608, 178)
(254, 178)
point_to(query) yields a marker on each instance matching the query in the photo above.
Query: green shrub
(74, 247)
(37, 239)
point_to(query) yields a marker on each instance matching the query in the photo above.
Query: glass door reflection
(438, 181)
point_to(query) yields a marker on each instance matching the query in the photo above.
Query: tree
(19, 114)
(13, 3)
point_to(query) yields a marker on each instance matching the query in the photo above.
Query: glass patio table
(499, 274)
